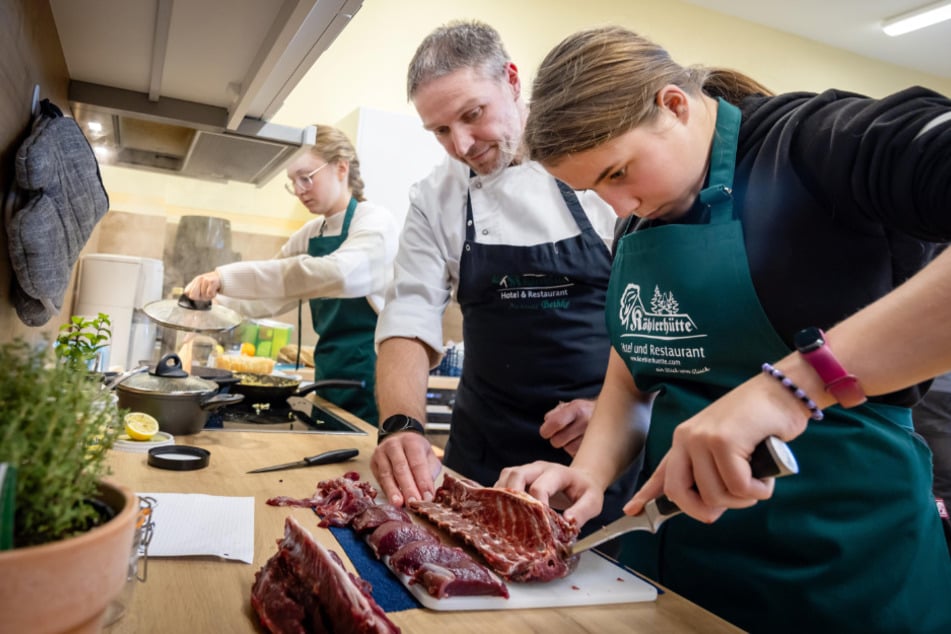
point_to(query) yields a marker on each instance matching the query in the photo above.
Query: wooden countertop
(207, 594)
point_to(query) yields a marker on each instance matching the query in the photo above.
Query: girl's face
(322, 192)
(655, 170)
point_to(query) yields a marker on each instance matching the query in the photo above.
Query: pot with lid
(178, 401)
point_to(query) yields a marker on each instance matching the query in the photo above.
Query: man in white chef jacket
(528, 260)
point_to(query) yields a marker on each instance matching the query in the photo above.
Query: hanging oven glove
(62, 200)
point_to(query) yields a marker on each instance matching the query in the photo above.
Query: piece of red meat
(393, 535)
(305, 588)
(445, 571)
(336, 501)
(519, 537)
(377, 514)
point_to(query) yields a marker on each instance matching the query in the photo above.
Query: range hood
(187, 87)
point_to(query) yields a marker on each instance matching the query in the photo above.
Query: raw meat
(445, 571)
(305, 588)
(337, 501)
(518, 536)
(391, 536)
(377, 514)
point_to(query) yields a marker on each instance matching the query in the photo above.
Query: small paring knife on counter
(328, 457)
(772, 458)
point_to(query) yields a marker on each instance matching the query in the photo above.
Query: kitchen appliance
(772, 458)
(133, 63)
(268, 417)
(120, 286)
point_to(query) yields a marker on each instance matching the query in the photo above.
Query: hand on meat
(405, 467)
(558, 486)
(204, 287)
(565, 424)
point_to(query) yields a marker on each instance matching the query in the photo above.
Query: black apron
(535, 334)
(851, 543)
(345, 349)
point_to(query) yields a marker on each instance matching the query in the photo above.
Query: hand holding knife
(328, 457)
(772, 458)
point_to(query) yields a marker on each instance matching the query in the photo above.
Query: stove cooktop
(271, 417)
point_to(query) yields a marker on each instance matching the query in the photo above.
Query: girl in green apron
(339, 262)
(760, 217)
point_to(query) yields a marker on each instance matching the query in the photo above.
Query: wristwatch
(845, 387)
(397, 423)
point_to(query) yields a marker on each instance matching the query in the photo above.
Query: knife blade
(772, 458)
(328, 457)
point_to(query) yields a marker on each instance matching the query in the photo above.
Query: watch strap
(844, 387)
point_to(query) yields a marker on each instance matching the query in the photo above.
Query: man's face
(478, 120)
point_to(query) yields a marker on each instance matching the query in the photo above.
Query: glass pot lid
(186, 314)
(168, 377)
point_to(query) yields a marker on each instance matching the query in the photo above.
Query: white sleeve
(421, 288)
(358, 268)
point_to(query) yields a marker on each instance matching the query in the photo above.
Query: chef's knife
(772, 458)
(328, 457)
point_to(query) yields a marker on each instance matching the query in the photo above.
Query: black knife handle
(772, 458)
(329, 457)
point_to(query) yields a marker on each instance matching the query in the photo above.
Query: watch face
(809, 340)
(395, 423)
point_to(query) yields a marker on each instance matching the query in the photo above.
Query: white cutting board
(596, 581)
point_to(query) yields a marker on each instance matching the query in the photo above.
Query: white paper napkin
(197, 524)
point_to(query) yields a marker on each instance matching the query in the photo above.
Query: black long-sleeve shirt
(841, 199)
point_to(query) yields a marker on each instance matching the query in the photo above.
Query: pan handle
(221, 400)
(338, 383)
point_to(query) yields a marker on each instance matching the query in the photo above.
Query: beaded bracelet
(796, 390)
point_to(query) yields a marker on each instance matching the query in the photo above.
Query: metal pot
(179, 402)
(268, 388)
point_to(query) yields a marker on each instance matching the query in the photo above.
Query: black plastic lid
(179, 457)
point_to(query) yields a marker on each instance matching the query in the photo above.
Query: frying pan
(269, 388)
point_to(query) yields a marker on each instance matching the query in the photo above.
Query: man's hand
(405, 467)
(564, 426)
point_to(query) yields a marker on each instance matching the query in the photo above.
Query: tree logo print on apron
(661, 335)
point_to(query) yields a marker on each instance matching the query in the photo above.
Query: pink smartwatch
(845, 387)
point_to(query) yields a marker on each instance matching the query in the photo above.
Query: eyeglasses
(303, 182)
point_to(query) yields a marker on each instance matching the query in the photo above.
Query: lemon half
(140, 426)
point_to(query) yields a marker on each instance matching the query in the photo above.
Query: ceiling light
(917, 19)
(94, 126)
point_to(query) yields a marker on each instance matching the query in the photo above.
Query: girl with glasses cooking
(340, 262)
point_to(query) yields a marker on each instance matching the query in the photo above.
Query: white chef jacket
(520, 206)
(361, 267)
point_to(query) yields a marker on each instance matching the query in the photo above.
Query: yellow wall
(366, 67)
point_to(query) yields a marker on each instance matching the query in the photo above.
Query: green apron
(852, 543)
(345, 347)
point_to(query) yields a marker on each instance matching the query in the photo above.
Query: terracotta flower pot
(66, 586)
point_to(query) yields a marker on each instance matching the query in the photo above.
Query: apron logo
(534, 290)
(663, 321)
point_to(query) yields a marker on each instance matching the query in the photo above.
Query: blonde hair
(454, 46)
(600, 83)
(332, 145)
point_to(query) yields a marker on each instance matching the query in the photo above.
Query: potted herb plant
(72, 528)
(81, 341)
